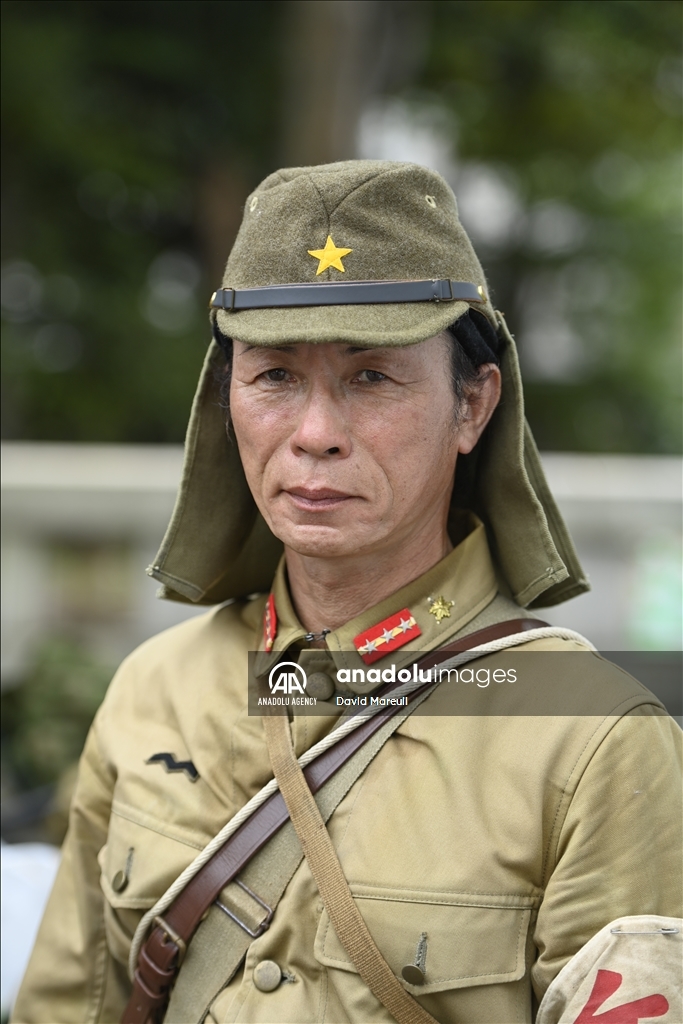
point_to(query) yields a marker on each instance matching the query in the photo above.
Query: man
(476, 861)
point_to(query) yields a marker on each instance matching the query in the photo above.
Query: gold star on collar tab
(440, 608)
(330, 256)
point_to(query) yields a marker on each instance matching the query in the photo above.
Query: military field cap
(366, 251)
(394, 229)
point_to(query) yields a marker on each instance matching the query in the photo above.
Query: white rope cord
(347, 726)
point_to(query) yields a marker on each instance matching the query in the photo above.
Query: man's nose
(321, 429)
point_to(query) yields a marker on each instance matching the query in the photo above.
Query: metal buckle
(173, 936)
(439, 290)
(220, 294)
(265, 923)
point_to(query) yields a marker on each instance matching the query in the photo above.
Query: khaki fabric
(401, 223)
(509, 841)
(330, 880)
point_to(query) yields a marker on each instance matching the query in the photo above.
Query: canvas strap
(329, 877)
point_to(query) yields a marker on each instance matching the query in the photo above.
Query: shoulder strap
(329, 877)
(163, 952)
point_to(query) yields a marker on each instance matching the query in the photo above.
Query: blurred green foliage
(577, 105)
(112, 111)
(133, 132)
(46, 719)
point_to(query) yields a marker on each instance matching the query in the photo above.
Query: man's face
(347, 451)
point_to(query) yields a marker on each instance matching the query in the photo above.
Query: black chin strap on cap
(477, 337)
(345, 293)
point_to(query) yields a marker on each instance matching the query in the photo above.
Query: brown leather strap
(482, 636)
(162, 953)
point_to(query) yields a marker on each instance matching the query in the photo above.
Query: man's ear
(479, 407)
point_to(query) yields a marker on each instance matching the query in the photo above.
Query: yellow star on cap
(330, 256)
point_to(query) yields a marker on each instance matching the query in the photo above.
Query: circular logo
(287, 677)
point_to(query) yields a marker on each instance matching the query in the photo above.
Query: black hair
(222, 371)
(475, 342)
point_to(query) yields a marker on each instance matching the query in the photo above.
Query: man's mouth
(323, 499)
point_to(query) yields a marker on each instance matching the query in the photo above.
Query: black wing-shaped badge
(171, 765)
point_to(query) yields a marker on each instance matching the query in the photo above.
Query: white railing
(81, 522)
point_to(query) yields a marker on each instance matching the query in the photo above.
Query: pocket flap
(470, 940)
(140, 861)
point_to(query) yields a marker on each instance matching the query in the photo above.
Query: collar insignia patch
(171, 765)
(330, 256)
(440, 608)
(387, 636)
(269, 624)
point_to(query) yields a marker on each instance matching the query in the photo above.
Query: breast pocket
(445, 947)
(138, 864)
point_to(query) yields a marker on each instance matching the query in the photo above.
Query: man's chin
(318, 541)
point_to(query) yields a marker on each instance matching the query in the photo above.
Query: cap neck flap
(218, 546)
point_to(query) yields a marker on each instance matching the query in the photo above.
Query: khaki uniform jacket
(509, 840)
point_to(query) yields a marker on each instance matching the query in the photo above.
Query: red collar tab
(269, 624)
(387, 636)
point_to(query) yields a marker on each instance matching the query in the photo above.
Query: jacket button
(413, 974)
(267, 976)
(119, 881)
(320, 685)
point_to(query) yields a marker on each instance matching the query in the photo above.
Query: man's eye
(275, 376)
(371, 376)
